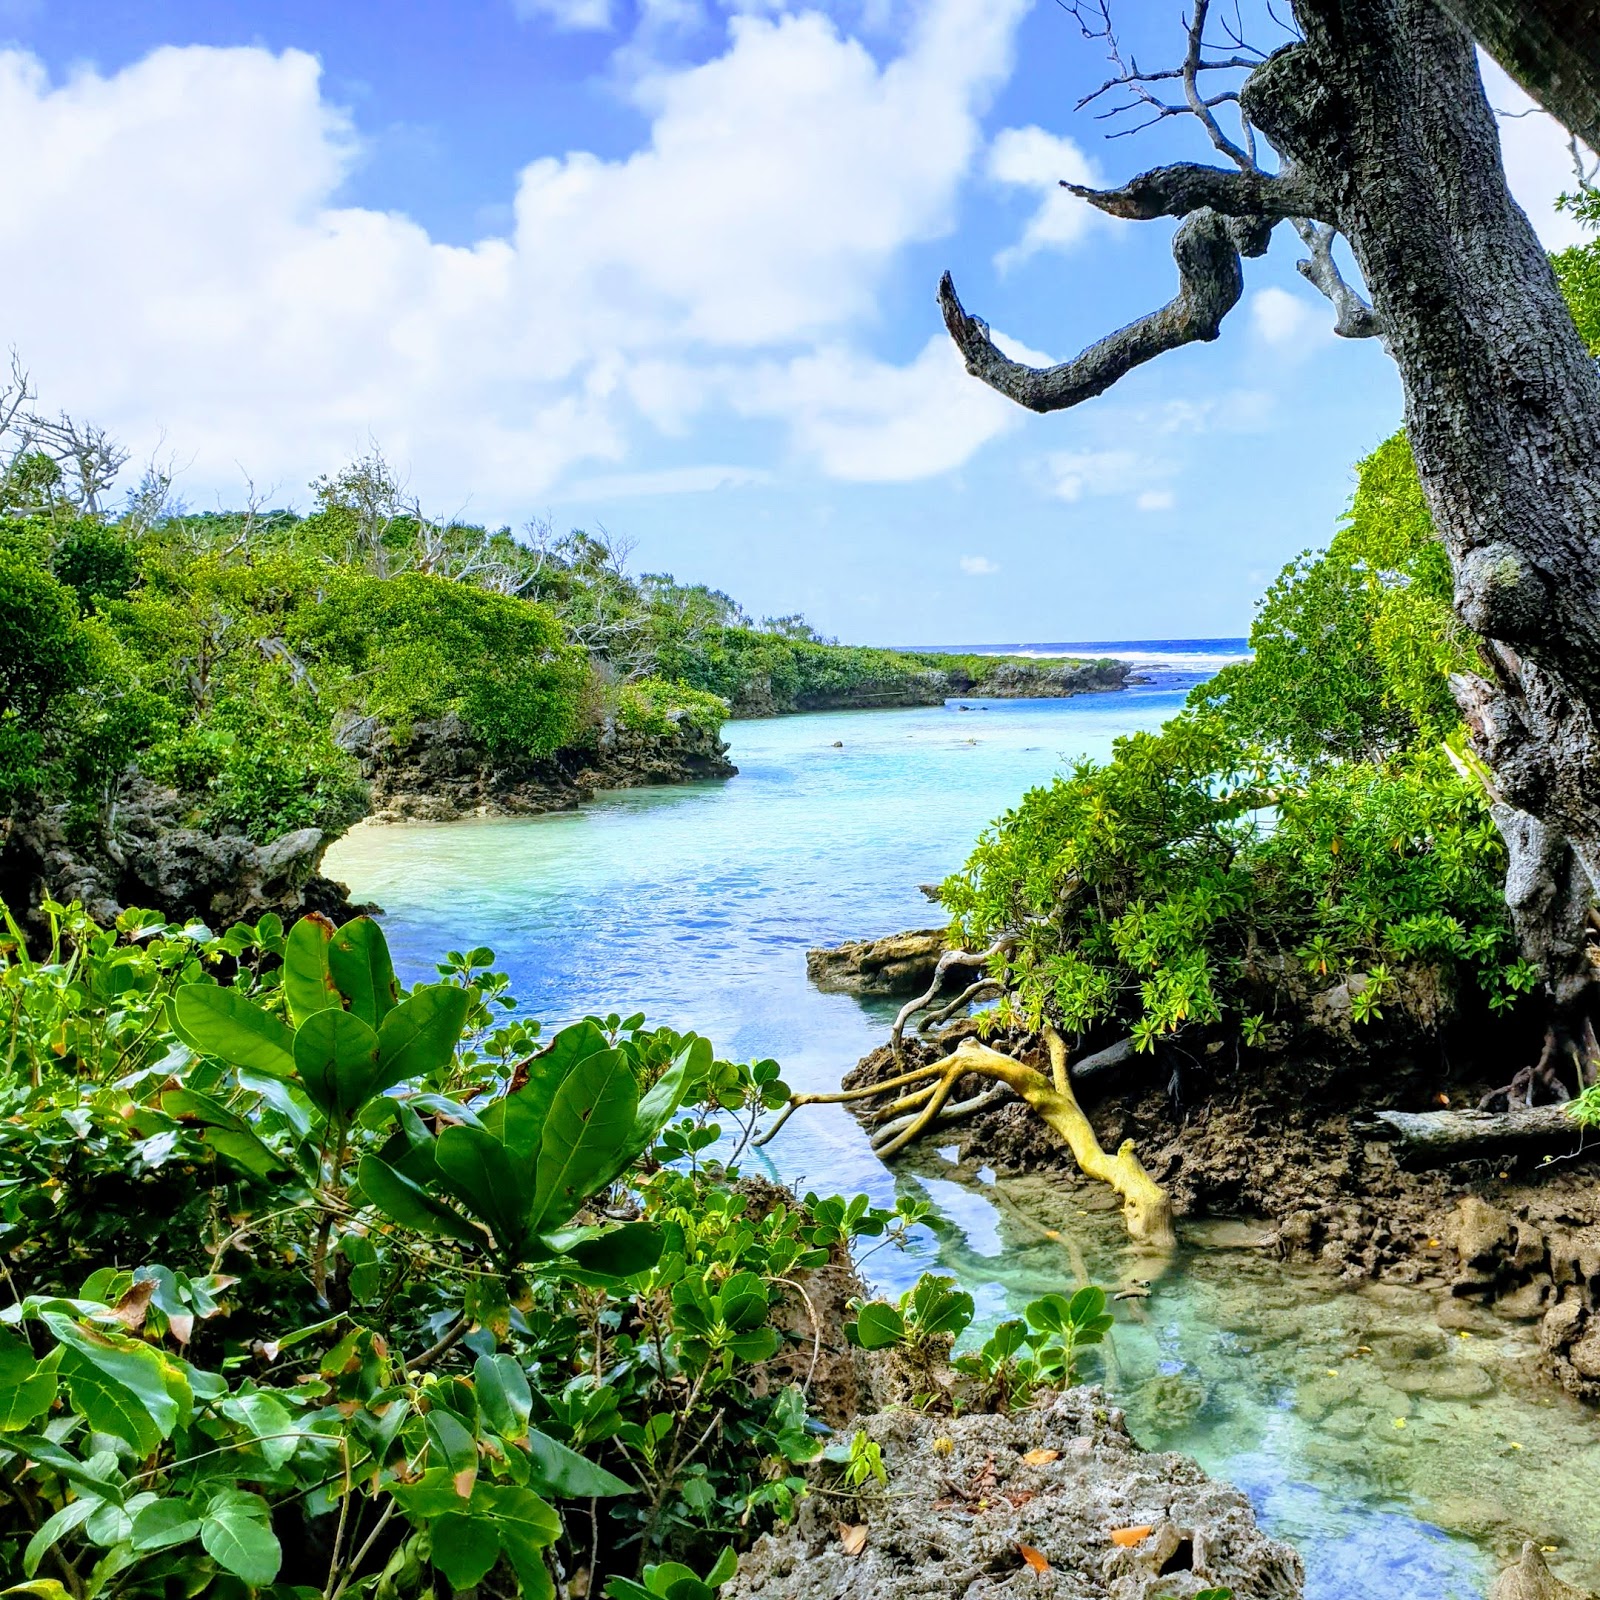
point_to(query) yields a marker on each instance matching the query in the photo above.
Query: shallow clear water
(697, 904)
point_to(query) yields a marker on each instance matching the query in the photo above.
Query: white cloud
(1537, 159)
(1030, 158)
(1284, 319)
(1073, 475)
(668, 480)
(872, 422)
(574, 14)
(979, 566)
(175, 257)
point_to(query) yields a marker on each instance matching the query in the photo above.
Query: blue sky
(669, 267)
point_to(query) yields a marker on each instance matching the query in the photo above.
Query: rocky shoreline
(438, 772)
(932, 686)
(1274, 1137)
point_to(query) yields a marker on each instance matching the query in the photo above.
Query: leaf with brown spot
(1127, 1537)
(1041, 1458)
(1038, 1562)
(131, 1308)
(853, 1537)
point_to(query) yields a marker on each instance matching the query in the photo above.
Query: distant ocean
(1163, 663)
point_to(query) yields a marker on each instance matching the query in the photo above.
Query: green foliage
(652, 705)
(316, 1282)
(422, 646)
(1578, 269)
(1020, 1357)
(1303, 810)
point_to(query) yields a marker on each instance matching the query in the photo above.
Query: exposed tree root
(1146, 1207)
(950, 959)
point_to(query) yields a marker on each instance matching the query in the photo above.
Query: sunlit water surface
(1402, 1460)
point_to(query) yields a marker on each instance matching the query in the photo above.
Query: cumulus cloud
(175, 256)
(979, 566)
(1030, 158)
(574, 14)
(1287, 320)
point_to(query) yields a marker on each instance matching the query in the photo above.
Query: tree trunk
(1382, 108)
(1551, 47)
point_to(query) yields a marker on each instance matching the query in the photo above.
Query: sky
(667, 267)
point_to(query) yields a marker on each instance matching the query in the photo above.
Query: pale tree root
(1146, 1206)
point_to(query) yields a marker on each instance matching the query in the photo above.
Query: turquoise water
(697, 904)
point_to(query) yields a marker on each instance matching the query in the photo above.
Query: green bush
(651, 705)
(317, 1286)
(416, 647)
(1303, 809)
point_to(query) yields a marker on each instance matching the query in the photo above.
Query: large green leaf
(591, 1117)
(419, 1036)
(519, 1117)
(565, 1474)
(118, 1385)
(464, 1547)
(879, 1325)
(72, 1515)
(411, 1205)
(336, 1056)
(164, 1523)
(503, 1394)
(236, 1531)
(27, 1387)
(307, 981)
(613, 1255)
(222, 1022)
(526, 1527)
(476, 1166)
(358, 960)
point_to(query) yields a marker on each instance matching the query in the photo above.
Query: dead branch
(1206, 247)
(1437, 1138)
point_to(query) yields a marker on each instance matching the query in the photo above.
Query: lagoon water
(1330, 1407)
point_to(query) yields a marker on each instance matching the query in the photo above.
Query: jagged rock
(1531, 1579)
(1479, 1232)
(897, 964)
(439, 771)
(149, 854)
(954, 1520)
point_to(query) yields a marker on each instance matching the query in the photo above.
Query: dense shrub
(1304, 808)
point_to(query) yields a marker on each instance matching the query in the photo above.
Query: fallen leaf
(1039, 1458)
(1033, 1558)
(853, 1537)
(1127, 1537)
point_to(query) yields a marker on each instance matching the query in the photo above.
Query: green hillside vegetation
(220, 651)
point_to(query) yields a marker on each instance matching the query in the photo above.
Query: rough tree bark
(1384, 134)
(1551, 47)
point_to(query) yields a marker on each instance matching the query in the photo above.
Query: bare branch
(1355, 318)
(1206, 248)
(1187, 186)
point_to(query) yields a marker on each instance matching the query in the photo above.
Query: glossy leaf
(358, 961)
(563, 1473)
(504, 1395)
(419, 1036)
(591, 1117)
(237, 1534)
(878, 1325)
(307, 981)
(407, 1203)
(336, 1056)
(476, 1167)
(224, 1023)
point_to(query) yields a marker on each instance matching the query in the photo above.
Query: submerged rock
(1056, 1500)
(898, 964)
(1531, 1579)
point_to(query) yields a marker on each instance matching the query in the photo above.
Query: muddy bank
(1056, 1500)
(1229, 1136)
